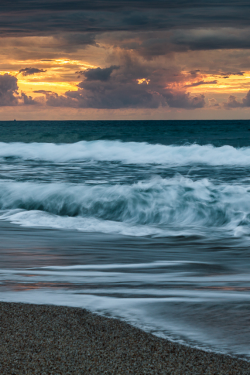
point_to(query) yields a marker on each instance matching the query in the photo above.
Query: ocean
(145, 221)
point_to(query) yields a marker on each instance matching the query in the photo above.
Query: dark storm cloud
(122, 90)
(98, 74)
(69, 42)
(31, 71)
(152, 44)
(111, 97)
(66, 5)
(132, 85)
(28, 100)
(223, 38)
(43, 17)
(234, 103)
(144, 29)
(201, 83)
(128, 96)
(80, 23)
(8, 90)
(184, 100)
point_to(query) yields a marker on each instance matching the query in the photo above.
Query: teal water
(147, 221)
(235, 133)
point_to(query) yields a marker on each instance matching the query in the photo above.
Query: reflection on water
(200, 296)
(12, 286)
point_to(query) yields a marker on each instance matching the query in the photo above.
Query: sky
(127, 59)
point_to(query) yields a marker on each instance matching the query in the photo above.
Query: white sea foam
(121, 265)
(128, 152)
(158, 207)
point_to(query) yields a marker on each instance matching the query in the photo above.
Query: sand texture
(42, 339)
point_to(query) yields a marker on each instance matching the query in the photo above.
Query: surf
(159, 206)
(128, 152)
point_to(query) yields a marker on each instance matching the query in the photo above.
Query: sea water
(145, 221)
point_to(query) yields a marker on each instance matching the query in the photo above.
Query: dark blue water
(147, 221)
(235, 133)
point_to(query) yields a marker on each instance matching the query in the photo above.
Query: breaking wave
(174, 206)
(128, 152)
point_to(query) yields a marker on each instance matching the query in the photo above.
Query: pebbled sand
(42, 339)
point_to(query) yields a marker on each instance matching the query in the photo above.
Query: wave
(157, 207)
(127, 152)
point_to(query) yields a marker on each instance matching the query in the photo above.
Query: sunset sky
(131, 59)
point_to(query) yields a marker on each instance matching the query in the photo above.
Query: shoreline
(48, 339)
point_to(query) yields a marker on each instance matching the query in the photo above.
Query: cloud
(8, 90)
(104, 90)
(232, 74)
(208, 39)
(128, 96)
(112, 35)
(70, 42)
(42, 17)
(185, 100)
(194, 72)
(156, 28)
(182, 38)
(201, 83)
(213, 103)
(65, 5)
(228, 74)
(160, 43)
(31, 71)
(28, 100)
(107, 95)
(99, 74)
(42, 91)
(232, 102)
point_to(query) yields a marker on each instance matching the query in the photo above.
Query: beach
(45, 339)
(125, 187)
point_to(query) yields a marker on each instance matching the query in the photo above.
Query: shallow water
(145, 221)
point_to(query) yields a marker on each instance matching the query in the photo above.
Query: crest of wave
(127, 152)
(158, 206)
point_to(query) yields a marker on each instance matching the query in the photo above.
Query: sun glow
(58, 75)
(143, 80)
(232, 83)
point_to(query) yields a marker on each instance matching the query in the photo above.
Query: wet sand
(45, 339)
